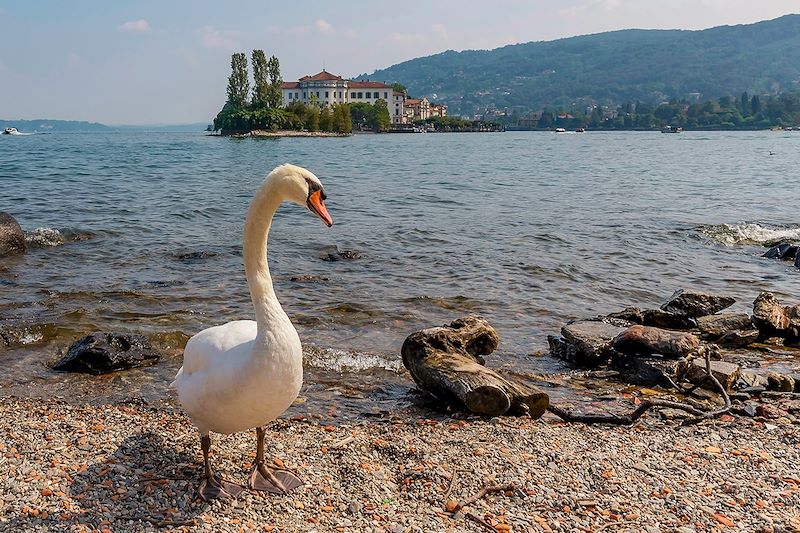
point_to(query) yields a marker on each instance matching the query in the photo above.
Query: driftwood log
(447, 362)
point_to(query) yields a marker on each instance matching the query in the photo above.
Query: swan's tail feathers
(178, 376)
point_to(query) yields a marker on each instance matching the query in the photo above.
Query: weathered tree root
(628, 419)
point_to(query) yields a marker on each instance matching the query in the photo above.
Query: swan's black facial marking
(314, 187)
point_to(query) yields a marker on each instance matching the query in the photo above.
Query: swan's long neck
(269, 312)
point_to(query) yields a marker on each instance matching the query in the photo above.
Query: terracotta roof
(321, 76)
(413, 101)
(367, 85)
(290, 85)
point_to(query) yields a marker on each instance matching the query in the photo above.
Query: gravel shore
(132, 467)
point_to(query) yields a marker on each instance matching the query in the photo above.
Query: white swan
(245, 373)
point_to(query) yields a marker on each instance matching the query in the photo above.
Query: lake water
(529, 229)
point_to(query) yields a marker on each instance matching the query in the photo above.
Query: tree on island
(265, 109)
(382, 120)
(261, 84)
(238, 82)
(399, 88)
(274, 91)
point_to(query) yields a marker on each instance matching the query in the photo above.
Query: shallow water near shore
(529, 229)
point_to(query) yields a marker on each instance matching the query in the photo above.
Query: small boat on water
(671, 129)
(11, 131)
(580, 130)
(560, 130)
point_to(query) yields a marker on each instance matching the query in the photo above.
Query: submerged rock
(695, 371)
(783, 250)
(12, 238)
(738, 339)
(332, 253)
(646, 340)
(101, 353)
(695, 303)
(44, 238)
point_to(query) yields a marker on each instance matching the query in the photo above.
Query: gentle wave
(751, 233)
(347, 361)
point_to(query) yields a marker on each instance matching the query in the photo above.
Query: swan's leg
(213, 486)
(269, 478)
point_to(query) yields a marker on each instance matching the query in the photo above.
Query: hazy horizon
(167, 64)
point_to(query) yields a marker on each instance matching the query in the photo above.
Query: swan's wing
(217, 342)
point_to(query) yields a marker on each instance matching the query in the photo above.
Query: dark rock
(778, 251)
(662, 319)
(591, 341)
(715, 326)
(646, 340)
(648, 371)
(332, 253)
(308, 278)
(747, 409)
(101, 353)
(625, 318)
(12, 238)
(791, 253)
(695, 303)
(797, 260)
(738, 339)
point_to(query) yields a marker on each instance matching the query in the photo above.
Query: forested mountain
(610, 68)
(49, 125)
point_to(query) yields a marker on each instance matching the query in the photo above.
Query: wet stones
(101, 353)
(695, 304)
(647, 340)
(332, 253)
(12, 238)
(585, 343)
(775, 320)
(695, 371)
(715, 326)
(785, 251)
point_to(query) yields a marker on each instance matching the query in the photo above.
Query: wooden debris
(447, 362)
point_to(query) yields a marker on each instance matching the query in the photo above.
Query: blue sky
(153, 62)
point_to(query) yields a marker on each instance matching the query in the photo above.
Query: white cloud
(139, 26)
(323, 26)
(214, 38)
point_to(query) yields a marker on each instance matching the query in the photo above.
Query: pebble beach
(134, 467)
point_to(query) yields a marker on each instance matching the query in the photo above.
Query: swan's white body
(246, 373)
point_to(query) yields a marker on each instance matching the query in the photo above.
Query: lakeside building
(328, 89)
(417, 109)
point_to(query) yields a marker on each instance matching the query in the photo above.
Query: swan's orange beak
(316, 203)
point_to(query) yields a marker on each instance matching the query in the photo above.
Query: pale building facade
(328, 89)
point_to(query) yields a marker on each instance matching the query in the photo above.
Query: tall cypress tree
(238, 83)
(275, 91)
(260, 79)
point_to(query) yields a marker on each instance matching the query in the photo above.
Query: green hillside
(611, 68)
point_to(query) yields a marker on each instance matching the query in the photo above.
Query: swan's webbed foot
(217, 488)
(274, 480)
(213, 487)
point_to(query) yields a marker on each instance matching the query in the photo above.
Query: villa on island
(328, 89)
